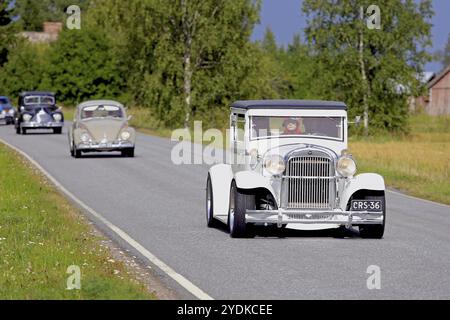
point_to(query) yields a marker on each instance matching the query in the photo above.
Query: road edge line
(181, 280)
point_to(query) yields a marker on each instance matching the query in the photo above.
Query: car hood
(103, 128)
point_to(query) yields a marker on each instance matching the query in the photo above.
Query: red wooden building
(439, 94)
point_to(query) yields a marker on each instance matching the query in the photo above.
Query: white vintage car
(290, 167)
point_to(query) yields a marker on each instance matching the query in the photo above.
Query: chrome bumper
(108, 146)
(281, 217)
(41, 125)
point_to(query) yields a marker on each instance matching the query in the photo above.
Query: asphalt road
(161, 206)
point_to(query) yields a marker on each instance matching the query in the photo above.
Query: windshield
(4, 101)
(268, 127)
(39, 100)
(101, 111)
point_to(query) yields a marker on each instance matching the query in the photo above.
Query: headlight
(125, 135)
(274, 164)
(3, 112)
(346, 166)
(27, 117)
(11, 112)
(57, 117)
(84, 137)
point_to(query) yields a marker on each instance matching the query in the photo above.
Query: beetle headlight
(125, 135)
(84, 137)
(57, 117)
(27, 117)
(274, 164)
(11, 112)
(346, 166)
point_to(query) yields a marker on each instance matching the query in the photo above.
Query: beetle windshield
(102, 111)
(4, 101)
(318, 127)
(36, 100)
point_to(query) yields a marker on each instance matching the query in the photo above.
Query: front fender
(253, 180)
(221, 178)
(76, 134)
(364, 181)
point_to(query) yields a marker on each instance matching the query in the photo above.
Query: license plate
(366, 205)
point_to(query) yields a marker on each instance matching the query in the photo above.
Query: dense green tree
(373, 70)
(183, 58)
(26, 69)
(33, 13)
(82, 66)
(7, 37)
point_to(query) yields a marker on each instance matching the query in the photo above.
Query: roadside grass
(417, 163)
(41, 235)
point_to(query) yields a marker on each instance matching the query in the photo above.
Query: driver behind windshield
(292, 126)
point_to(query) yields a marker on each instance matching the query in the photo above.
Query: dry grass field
(418, 163)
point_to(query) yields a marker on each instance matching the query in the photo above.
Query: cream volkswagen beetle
(290, 167)
(101, 125)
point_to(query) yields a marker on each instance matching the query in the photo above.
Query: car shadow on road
(101, 155)
(41, 133)
(275, 232)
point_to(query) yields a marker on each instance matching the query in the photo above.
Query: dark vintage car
(7, 112)
(38, 110)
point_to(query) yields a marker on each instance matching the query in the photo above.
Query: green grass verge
(417, 163)
(41, 235)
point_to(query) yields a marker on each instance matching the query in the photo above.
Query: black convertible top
(289, 104)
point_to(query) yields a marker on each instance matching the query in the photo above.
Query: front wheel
(76, 152)
(18, 129)
(210, 221)
(57, 130)
(239, 203)
(375, 231)
(128, 153)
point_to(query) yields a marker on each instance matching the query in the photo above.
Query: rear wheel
(375, 231)
(210, 221)
(239, 203)
(24, 131)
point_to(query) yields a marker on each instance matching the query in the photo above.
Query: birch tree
(373, 70)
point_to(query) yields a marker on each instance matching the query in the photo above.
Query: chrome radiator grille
(310, 182)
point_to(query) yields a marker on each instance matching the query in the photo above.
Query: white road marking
(185, 283)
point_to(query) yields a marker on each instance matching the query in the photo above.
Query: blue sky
(285, 19)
